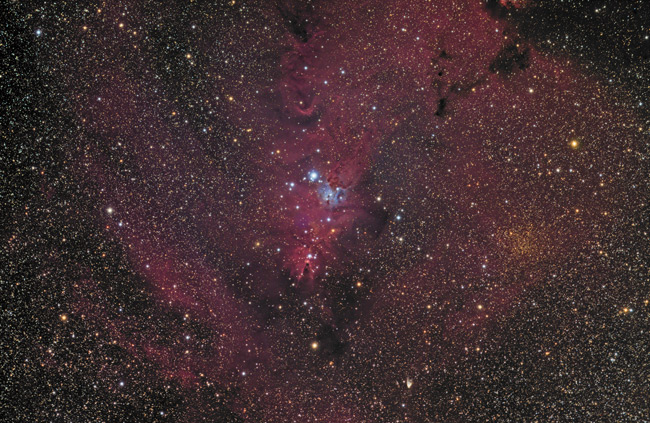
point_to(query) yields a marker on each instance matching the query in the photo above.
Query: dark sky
(325, 211)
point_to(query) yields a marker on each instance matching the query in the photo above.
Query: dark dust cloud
(325, 211)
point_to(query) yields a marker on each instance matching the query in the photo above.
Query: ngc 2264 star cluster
(326, 211)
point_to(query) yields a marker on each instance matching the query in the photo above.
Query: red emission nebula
(336, 211)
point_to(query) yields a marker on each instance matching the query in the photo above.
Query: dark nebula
(326, 211)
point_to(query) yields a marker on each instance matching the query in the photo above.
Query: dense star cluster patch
(325, 211)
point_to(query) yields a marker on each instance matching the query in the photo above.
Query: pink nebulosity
(333, 163)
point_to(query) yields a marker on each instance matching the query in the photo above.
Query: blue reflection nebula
(331, 197)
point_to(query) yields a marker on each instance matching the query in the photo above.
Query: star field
(325, 211)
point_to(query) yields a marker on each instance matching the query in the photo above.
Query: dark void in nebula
(326, 211)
